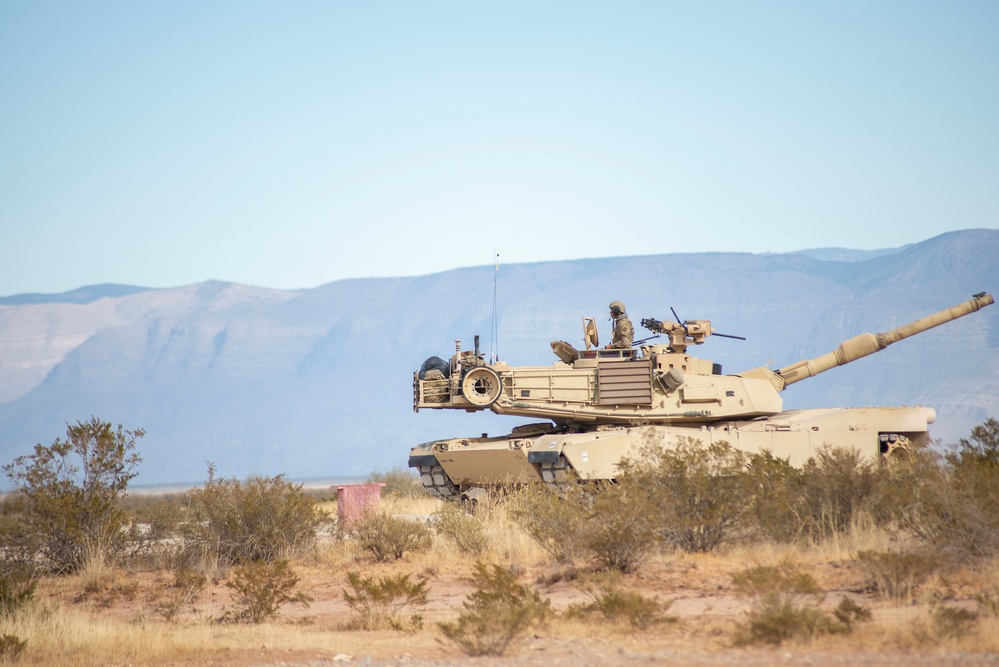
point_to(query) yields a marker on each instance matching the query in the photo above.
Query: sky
(292, 144)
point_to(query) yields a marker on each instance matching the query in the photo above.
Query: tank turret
(607, 394)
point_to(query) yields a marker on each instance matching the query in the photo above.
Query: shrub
(262, 519)
(914, 494)
(260, 588)
(952, 622)
(988, 603)
(554, 520)
(895, 575)
(399, 482)
(11, 647)
(974, 471)
(786, 605)
(186, 586)
(617, 529)
(17, 587)
(378, 604)
(950, 502)
(847, 612)
(775, 497)
(943, 622)
(497, 612)
(641, 612)
(464, 531)
(165, 518)
(981, 449)
(761, 581)
(390, 537)
(836, 484)
(694, 494)
(68, 503)
(614, 604)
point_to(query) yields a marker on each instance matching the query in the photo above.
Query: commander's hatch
(590, 336)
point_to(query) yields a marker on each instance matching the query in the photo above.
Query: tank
(601, 405)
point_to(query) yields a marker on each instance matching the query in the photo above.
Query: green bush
(836, 484)
(67, 509)
(260, 588)
(497, 612)
(641, 612)
(950, 502)
(974, 471)
(694, 494)
(981, 449)
(262, 519)
(463, 530)
(775, 497)
(777, 620)
(913, 496)
(785, 605)
(617, 529)
(390, 537)
(379, 604)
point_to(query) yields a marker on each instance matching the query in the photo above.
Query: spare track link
(556, 473)
(436, 481)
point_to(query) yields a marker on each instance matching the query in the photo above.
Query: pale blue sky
(289, 144)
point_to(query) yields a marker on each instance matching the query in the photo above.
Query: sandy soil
(703, 603)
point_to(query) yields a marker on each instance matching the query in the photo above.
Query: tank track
(436, 481)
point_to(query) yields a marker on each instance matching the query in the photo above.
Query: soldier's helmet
(617, 307)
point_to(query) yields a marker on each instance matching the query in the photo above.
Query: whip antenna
(494, 334)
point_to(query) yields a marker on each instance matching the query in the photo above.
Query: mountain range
(318, 382)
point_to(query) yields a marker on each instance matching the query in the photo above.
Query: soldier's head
(616, 308)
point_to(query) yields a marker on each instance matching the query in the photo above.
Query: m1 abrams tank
(604, 404)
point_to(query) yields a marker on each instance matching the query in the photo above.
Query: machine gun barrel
(655, 325)
(865, 344)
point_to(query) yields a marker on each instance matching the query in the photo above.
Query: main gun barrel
(865, 344)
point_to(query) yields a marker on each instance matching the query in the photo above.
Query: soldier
(623, 333)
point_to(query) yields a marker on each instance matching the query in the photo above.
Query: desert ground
(114, 615)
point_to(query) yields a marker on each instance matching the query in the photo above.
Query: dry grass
(103, 615)
(71, 638)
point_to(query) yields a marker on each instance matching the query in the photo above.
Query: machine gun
(682, 333)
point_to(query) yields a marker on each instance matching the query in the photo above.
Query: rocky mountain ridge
(317, 382)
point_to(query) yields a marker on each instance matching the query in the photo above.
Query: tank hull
(453, 467)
